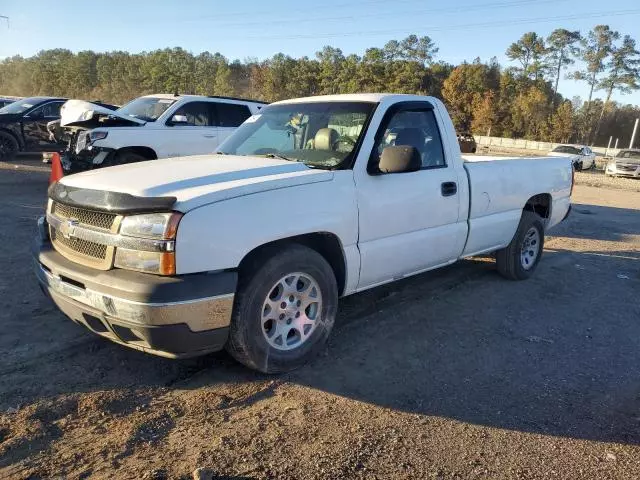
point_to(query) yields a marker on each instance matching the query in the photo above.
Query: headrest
(325, 139)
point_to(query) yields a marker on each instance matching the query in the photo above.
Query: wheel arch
(146, 152)
(326, 244)
(541, 205)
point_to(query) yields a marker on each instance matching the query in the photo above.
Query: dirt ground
(452, 374)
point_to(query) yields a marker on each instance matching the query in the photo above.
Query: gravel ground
(597, 178)
(448, 375)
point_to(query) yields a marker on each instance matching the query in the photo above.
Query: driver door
(34, 125)
(409, 222)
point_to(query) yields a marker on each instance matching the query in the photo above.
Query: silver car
(625, 164)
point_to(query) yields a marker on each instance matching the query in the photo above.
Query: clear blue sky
(462, 29)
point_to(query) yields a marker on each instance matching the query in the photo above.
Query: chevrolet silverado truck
(310, 200)
(147, 128)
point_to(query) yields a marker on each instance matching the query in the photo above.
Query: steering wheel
(343, 139)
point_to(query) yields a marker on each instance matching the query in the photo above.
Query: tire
(579, 166)
(122, 158)
(8, 146)
(510, 261)
(257, 340)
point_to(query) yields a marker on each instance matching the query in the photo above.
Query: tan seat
(325, 139)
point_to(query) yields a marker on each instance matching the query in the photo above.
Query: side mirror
(179, 120)
(400, 159)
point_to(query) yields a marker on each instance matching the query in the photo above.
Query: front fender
(218, 236)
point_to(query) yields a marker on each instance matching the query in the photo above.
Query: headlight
(93, 135)
(155, 226)
(160, 226)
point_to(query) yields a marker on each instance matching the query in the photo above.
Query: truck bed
(500, 186)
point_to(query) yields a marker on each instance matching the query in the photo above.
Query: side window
(231, 114)
(48, 110)
(418, 129)
(197, 113)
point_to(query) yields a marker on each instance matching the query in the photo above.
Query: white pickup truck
(149, 127)
(309, 200)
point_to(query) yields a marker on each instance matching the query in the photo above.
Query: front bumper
(622, 172)
(86, 159)
(173, 317)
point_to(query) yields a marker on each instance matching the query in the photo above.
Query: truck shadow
(588, 222)
(558, 354)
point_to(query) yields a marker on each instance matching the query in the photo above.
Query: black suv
(23, 124)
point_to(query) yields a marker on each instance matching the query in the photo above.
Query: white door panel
(188, 140)
(408, 222)
(399, 255)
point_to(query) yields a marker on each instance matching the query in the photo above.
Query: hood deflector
(112, 202)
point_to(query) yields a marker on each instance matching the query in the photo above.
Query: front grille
(80, 246)
(82, 251)
(86, 217)
(627, 168)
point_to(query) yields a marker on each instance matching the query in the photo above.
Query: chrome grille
(85, 252)
(86, 217)
(80, 247)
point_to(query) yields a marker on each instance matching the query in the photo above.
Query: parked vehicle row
(625, 164)
(149, 127)
(95, 134)
(23, 124)
(309, 200)
(582, 156)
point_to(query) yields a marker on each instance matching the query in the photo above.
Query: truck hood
(198, 180)
(78, 113)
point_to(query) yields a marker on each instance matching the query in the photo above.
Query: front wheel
(520, 258)
(8, 146)
(284, 310)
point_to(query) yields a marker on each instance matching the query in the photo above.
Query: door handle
(448, 189)
(209, 136)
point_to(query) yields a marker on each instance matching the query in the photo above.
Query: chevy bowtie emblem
(68, 228)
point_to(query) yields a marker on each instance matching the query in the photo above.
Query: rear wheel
(8, 146)
(284, 310)
(520, 258)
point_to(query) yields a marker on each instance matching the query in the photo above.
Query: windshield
(147, 109)
(628, 156)
(319, 134)
(567, 149)
(20, 106)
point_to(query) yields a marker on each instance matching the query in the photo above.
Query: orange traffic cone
(56, 168)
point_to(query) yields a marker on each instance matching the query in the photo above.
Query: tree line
(520, 100)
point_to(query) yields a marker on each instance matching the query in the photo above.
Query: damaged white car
(147, 128)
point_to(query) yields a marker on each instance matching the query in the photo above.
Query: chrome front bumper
(167, 316)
